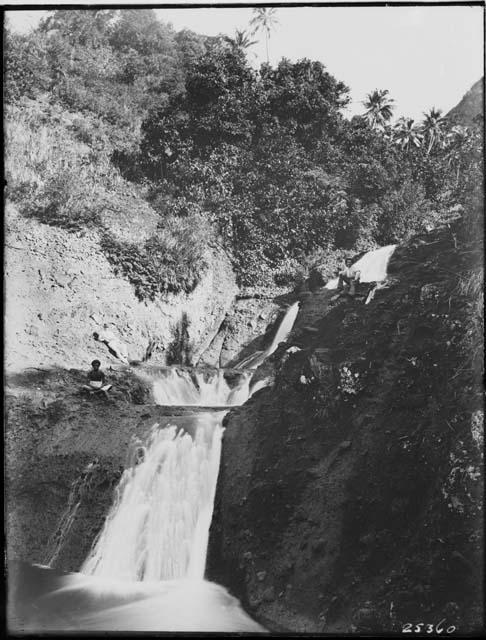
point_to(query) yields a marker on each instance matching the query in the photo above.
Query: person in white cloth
(97, 380)
(115, 346)
(349, 277)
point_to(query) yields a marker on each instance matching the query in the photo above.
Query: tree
(242, 40)
(191, 46)
(433, 128)
(26, 68)
(407, 134)
(264, 19)
(379, 108)
(304, 98)
(456, 141)
(84, 27)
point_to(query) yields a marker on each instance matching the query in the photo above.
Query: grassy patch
(52, 174)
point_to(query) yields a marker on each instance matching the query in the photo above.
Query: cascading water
(158, 525)
(283, 332)
(146, 569)
(148, 561)
(372, 266)
(173, 386)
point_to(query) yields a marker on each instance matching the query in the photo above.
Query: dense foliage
(263, 159)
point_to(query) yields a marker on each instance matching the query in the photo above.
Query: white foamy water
(255, 359)
(158, 526)
(373, 266)
(179, 387)
(77, 602)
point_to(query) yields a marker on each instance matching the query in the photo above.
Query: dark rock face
(349, 496)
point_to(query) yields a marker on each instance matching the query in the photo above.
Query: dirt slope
(353, 502)
(55, 280)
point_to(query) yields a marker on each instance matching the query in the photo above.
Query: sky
(425, 56)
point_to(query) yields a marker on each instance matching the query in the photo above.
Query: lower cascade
(158, 526)
(149, 558)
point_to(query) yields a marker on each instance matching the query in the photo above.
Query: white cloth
(350, 272)
(105, 335)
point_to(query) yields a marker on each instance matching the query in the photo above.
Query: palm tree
(407, 134)
(379, 108)
(264, 19)
(240, 41)
(433, 128)
(455, 142)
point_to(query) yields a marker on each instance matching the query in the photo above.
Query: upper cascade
(255, 359)
(372, 266)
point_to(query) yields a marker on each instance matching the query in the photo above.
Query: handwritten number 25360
(422, 627)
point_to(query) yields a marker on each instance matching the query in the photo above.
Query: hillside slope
(351, 499)
(470, 106)
(56, 279)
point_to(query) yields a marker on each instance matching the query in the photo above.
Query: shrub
(171, 261)
(179, 351)
(405, 211)
(290, 273)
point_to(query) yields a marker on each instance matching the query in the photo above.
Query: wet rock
(429, 293)
(310, 329)
(451, 609)
(268, 594)
(319, 546)
(254, 601)
(345, 445)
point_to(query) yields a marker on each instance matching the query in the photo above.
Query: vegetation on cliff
(109, 103)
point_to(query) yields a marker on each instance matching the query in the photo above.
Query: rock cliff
(349, 496)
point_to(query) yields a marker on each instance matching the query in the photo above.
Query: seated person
(348, 277)
(97, 380)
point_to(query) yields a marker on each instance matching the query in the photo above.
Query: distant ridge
(470, 106)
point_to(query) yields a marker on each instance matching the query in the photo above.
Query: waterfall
(373, 266)
(156, 533)
(284, 329)
(145, 571)
(174, 386)
(158, 526)
(255, 359)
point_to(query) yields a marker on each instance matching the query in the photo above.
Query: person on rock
(97, 380)
(115, 346)
(348, 277)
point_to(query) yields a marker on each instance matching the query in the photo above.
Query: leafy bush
(290, 274)
(27, 72)
(404, 212)
(172, 261)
